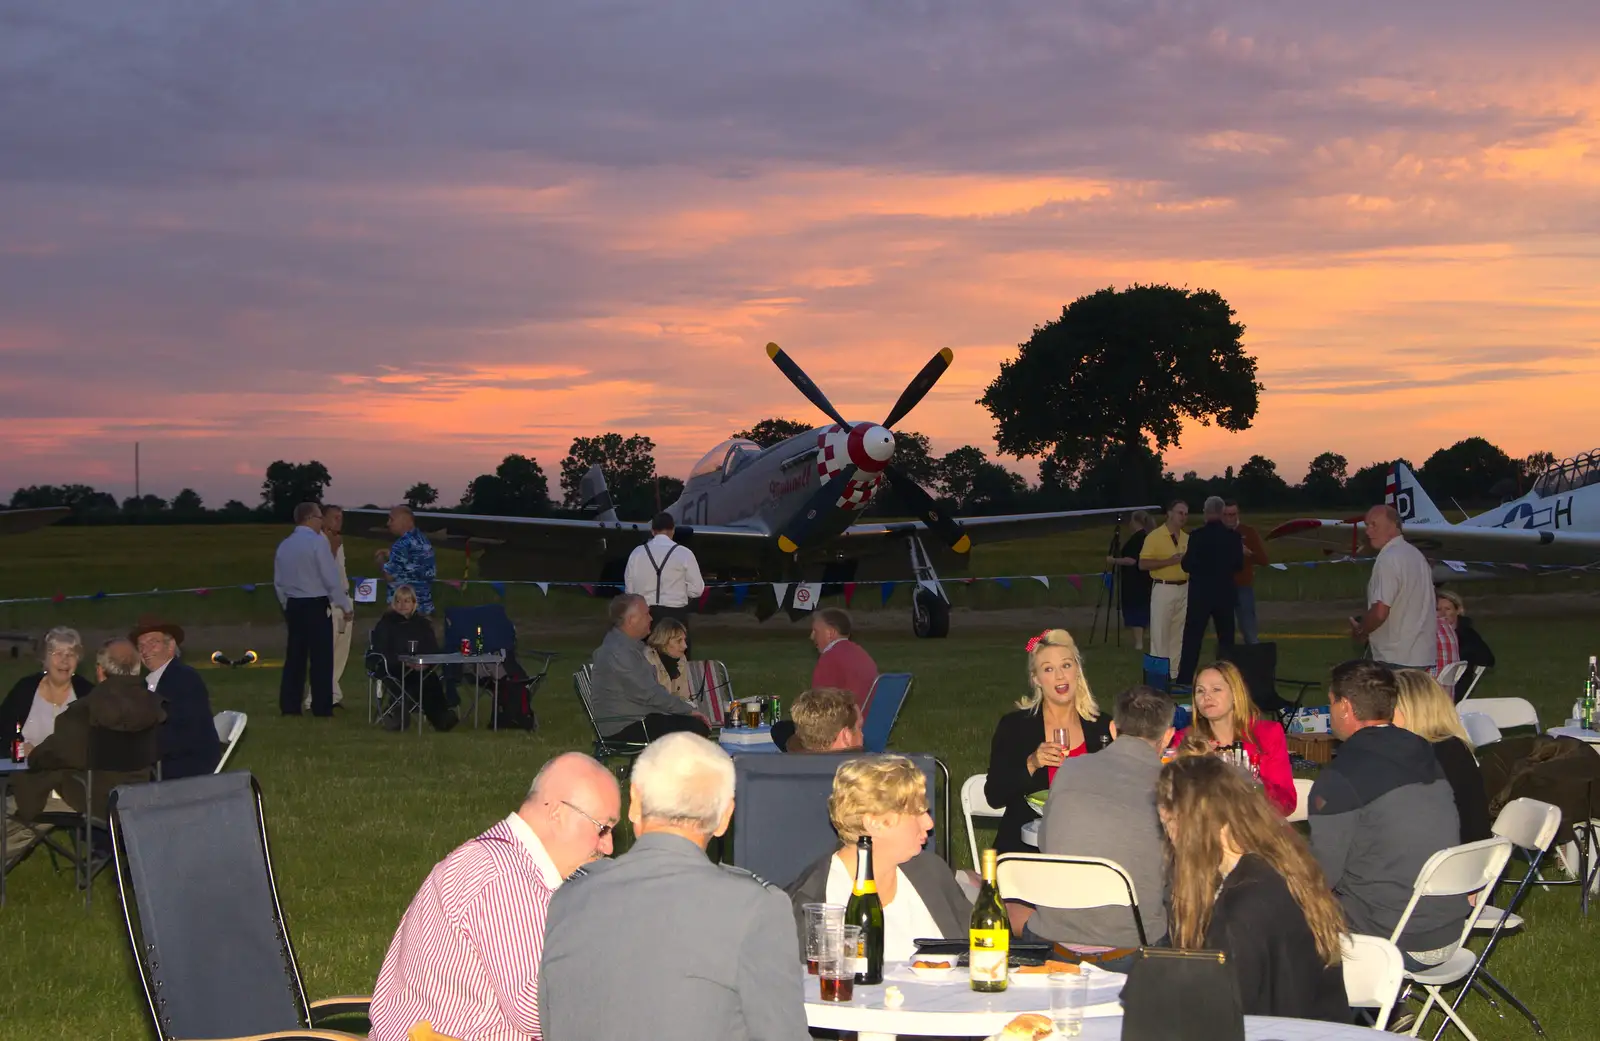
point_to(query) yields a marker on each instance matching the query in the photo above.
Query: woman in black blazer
(1024, 753)
(58, 684)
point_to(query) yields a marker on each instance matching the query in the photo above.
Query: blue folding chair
(1157, 673)
(888, 693)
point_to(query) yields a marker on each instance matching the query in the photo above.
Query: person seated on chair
(1224, 714)
(826, 719)
(1247, 886)
(121, 703)
(667, 651)
(1105, 806)
(885, 797)
(1378, 812)
(1426, 710)
(466, 956)
(38, 698)
(841, 662)
(1472, 648)
(189, 742)
(1025, 752)
(624, 687)
(403, 631)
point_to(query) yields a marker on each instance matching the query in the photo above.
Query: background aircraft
(15, 522)
(1557, 522)
(788, 513)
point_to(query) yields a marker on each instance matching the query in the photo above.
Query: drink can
(774, 710)
(466, 648)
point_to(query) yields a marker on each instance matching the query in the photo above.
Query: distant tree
(235, 510)
(629, 466)
(1100, 484)
(1468, 470)
(1324, 484)
(774, 431)
(517, 488)
(913, 456)
(1120, 370)
(974, 484)
(669, 489)
(421, 495)
(287, 485)
(146, 505)
(81, 499)
(1258, 484)
(1534, 465)
(1366, 487)
(188, 503)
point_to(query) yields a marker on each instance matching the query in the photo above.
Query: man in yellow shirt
(1162, 556)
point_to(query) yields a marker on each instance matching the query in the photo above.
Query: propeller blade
(947, 528)
(918, 388)
(794, 536)
(803, 383)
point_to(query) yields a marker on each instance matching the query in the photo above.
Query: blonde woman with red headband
(1056, 721)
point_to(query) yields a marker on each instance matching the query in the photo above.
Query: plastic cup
(836, 969)
(819, 919)
(1069, 995)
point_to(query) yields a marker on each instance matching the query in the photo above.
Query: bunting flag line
(544, 587)
(740, 591)
(886, 591)
(1076, 582)
(849, 593)
(1003, 583)
(778, 590)
(499, 589)
(1043, 580)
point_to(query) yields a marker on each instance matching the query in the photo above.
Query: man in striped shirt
(466, 956)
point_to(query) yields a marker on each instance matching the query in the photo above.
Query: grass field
(358, 816)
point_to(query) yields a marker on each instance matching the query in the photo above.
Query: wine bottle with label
(866, 910)
(990, 935)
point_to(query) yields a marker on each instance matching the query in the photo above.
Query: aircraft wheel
(930, 616)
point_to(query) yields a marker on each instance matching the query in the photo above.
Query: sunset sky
(408, 238)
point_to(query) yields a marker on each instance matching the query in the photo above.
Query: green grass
(358, 816)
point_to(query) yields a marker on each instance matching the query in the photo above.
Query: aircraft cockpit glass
(1570, 475)
(727, 457)
(739, 453)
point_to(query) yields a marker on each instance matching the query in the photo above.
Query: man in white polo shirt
(664, 573)
(1400, 625)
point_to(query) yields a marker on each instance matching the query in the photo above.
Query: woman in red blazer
(1223, 713)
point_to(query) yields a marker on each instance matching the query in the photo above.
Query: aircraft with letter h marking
(788, 513)
(1556, 522)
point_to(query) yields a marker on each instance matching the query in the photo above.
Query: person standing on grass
(333, 531)
(410, 560)
(665, 574)
(1162, 558)
(467, 953)
(1135, 580)
(1215, 555)
(309, 588)
(1244, 582)
(1401, 626)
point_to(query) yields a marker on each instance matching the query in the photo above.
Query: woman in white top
(885, 797)
(37, 699)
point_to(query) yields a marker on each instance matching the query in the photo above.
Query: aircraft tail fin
(594, 495)
(1404, 492)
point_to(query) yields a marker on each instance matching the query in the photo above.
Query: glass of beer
(836, 970)
(820, 918)
(752, 713)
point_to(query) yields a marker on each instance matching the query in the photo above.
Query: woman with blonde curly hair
(885, 797)
(1057, 720)
(1224, 714)
(1246, 884)
(1425, 709)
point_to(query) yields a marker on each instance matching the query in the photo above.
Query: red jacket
(1269, 754)
(847, 666)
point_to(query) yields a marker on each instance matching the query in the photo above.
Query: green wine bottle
(990, 935)
(866, 910)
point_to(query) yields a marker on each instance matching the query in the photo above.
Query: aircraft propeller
(875, 447)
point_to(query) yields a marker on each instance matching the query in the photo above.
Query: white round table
(1030, 833)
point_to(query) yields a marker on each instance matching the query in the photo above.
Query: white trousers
(1169, 607)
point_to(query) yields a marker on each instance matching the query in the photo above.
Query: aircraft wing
(15, 522)
(1458, 541)
(998, 528)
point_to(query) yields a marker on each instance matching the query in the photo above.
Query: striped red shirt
(1447, 646)
(466, 954)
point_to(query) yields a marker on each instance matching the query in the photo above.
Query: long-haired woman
(1427, 710)
(1057, 720)
(1223, 714)
(1246, 884)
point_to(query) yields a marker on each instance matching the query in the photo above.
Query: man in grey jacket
(1104, 805)
(628, 701)
(1378, 812)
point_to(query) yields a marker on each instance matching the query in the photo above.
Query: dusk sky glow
(408, 238)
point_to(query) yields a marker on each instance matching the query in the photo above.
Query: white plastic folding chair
(230, 728)
(1531, 826)
(1373, 974)
(1477, 676)
(975, 804)
(1068, 883)
(1455, 871)
(1480, 728)
(1452, 672)
(1302, 792)
(1506, 712)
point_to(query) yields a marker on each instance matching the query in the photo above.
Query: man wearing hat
(189, 744)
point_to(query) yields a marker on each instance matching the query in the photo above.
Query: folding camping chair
(1258, 664)
(230, 728)
(605, 748)
(975, 804)
(884, 701)
(511, 681)
(201, 907)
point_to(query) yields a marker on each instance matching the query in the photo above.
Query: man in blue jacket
(189, 744)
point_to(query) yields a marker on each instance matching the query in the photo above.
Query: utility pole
(136, 470)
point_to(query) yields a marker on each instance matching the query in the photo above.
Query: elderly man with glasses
(661, 942)
(466, 956)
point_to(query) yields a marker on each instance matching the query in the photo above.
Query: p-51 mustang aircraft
(1557, 522)
(788, 513)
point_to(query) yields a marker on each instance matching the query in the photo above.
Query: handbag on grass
(1174, 995)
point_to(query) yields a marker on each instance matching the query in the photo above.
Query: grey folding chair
(606, 748)
(213, 951)
(1056, 881)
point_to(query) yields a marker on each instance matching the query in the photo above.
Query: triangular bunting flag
(544, 587)
(849, 593)
(1107, 580)
(99, 595)
(806, 595)
(499, 589)
(1003, 583)
(202, 592)
(740, 591)
(249, 587)
(1279, 567)
(885, 591)
(453, 583)
(587, 587)
(1456, 566)
(929, 584)
(1041, 579)
(1076, 581)
(705, 594)
(778, 590)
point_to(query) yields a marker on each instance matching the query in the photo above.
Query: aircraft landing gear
(930, 608)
